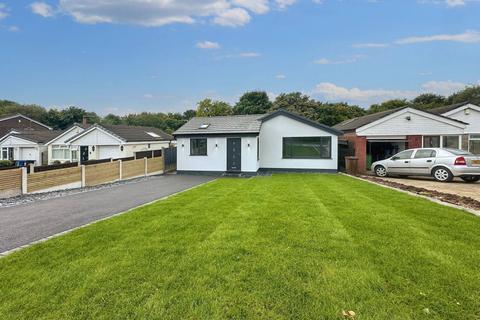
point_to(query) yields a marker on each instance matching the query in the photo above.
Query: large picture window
(307, 148)
(431, 141)
(198, 147)
(474, 144)
(452, 142)
(60, 153)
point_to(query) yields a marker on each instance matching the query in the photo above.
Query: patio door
(234, 154)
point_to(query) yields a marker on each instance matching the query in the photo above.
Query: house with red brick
(380, 135)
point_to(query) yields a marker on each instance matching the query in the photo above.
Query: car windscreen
(458, 152)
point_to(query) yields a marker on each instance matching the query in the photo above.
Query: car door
(422, 162)
(400, 163)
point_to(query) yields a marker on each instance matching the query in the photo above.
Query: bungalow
(116, 141)
(278, 141)
(380, 135)
(59, 150)
(19, 122)
(27, 146)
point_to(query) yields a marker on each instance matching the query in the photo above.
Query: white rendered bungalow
(117, 141)
(59, 151)
(27, 147)
(278, 141)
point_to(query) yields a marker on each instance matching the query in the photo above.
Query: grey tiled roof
(445, 109)
(130, 133)
(37, 136)
(222, 124)
(355, 123)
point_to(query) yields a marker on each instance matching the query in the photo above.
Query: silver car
(441, 163)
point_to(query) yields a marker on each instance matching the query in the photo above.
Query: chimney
(84, 120)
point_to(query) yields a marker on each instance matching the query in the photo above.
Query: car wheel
(442, 174)
(380, 171)
(470, 179)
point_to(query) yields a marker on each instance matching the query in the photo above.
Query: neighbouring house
(278, 141)
(25, 147)
(20, 122)
(117, 141)
(59, 151)
(380, 135)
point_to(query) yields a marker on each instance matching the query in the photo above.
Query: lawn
(281, 247)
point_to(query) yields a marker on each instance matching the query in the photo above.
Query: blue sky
(156, 55)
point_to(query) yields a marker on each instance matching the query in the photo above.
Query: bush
(57, 162)
(6, 163)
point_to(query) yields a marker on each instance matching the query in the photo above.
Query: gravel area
(23, 199)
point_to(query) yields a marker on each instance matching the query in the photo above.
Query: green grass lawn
(281, 247)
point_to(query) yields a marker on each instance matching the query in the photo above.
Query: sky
(123, 56)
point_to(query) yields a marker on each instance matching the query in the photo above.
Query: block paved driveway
(23, 224)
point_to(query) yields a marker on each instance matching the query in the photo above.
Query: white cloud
(148, 96)
(325, 61)
(332, 92)
(3, 11)
(240, 55)
(469, 36)
(257, 6)
(152, 13)
(208, 45)
(444, 88)
(449, 3)
(42, 9)
(455, 3)
(232, 17)
(365, 97)
(283, 4)
(13, 28)
(370, 45)
(281, 76)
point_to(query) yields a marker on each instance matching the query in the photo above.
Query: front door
(83, 154)
(234, 154)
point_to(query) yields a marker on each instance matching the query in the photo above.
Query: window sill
(199, 155)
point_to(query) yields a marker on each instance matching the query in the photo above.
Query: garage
(380, 149)
(106, 152)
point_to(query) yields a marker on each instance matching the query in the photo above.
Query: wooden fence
(17, 181)
(10, 183)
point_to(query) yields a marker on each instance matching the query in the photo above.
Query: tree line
(253, 102)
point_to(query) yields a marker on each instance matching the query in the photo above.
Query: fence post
(83, 175)
(120, 169)
(164, 161)
(146, 165)
(24, 180)
(32, 167)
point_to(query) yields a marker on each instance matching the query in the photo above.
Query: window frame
(429, 149)
(329, 157)
(459, 141)
(432, 136)
(395, 156)
(191, 147)
(66, 151)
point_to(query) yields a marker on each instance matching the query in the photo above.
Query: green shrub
(6, 163)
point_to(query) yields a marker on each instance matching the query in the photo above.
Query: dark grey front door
(83, 153)
(234, 154)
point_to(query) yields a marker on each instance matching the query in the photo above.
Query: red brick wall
(361, 153)
(414, 142)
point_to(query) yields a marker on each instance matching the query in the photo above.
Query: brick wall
(414, 142)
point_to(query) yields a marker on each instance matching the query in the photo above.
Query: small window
(425, 153)
(307, 148)
(198, 147)
(152, 134)
(431, 141)
(407, 154)
(452, 142)
(204, 126)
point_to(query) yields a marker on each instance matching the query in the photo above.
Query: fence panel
(55, 166)
(170, 155)
(55, 179)
(133, 168)
(10, 182)
(155, 165)
(102, 173)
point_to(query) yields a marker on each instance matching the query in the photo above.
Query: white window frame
(473, 139)
(64, 148)
(442, 138)
(8, 149)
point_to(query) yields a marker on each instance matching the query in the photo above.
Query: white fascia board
(414, 111)
(61, 135)
(467, 106)
(96, 128)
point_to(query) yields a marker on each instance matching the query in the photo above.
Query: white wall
(96, 137)
(472, 118)
(271, 145)
(24, 149)
(216, 158)
(417, 125)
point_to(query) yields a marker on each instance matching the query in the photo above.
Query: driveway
(23, 224)
(457, 186)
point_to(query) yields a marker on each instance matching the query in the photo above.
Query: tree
(388, 105)
(112, 119)
(189, 114)
(429, 101)
(254, 102)
(209, 108)
(471, 94)
(333, 113)
(296, 102)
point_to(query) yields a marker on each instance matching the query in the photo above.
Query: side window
(425, 153)
(407, 154)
